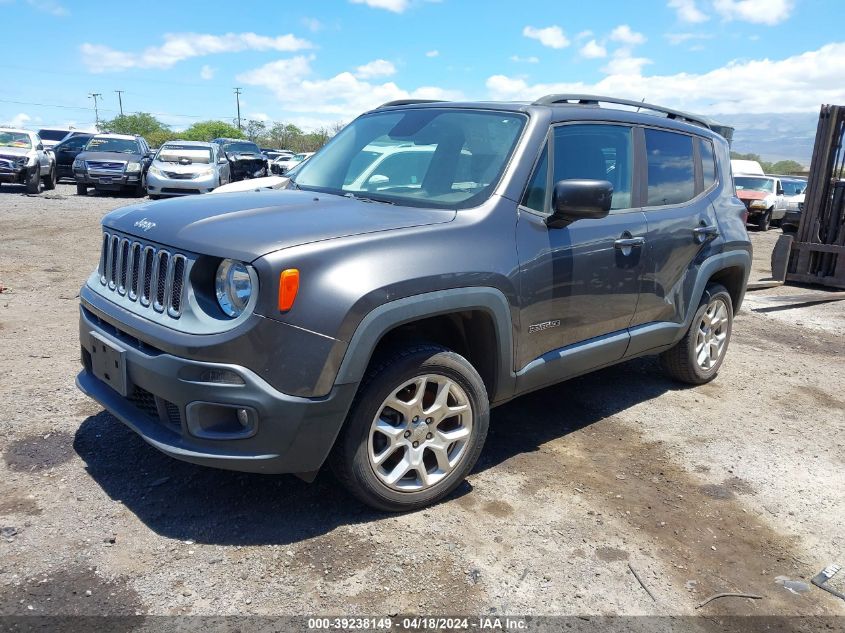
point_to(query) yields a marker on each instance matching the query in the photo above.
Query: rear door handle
(701, 233)
(628, 242)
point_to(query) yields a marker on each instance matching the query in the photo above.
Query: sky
(326, 61)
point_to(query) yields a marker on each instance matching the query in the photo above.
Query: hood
(14, 151)
(751, 194)
(113, 156)
(246, 226)
(177, 168)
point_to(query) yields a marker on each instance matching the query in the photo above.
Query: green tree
(256, 130)
(209, 130)
(285, 135)
(787, 167)
(141, 123)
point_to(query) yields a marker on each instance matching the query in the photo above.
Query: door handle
(628, 242)
(701, 233)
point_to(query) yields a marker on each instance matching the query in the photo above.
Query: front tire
(765, 220)
(33, 181)
(415, 430)
(697, 357)
(81, 190)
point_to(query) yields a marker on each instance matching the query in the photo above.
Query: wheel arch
(474, 322)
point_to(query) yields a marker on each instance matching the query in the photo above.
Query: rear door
(579, 282)
(680, 181)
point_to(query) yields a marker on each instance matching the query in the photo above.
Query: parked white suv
(24, 161)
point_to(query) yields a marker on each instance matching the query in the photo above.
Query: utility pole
(120, 100)
(94, 95)
(238, 101)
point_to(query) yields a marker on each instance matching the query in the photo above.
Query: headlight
(792, 205)
(154, 170)
(132, 168)
(204, 172)
(233, 287)
(78, 164)
(759, 204)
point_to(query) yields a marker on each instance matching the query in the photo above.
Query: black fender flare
(395, 313)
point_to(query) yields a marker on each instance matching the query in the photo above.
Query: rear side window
(708, 162)
(671, 169)
(535, 193)
(595, 152)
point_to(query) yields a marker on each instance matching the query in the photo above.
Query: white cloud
(593, 50)
(525, 60)
(756, 11)
(583, 35)
(376, 68)
(312, 24)
(19, 120)
(680, 38)
(434, 53)
(551, 36)
(688, 11)
(259, 116)
(397, 6)
(207, 72)
(343, 96)
(624, 35)
(49, 6)
(180, 46)
(795, 84)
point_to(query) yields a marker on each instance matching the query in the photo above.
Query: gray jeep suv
(371, 319)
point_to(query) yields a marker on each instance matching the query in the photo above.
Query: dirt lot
(725, 487)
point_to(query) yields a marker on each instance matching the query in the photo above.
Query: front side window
(595, 152)
(671, 169)
(75, 142)
(427, 157)
(794, 187)
(119, 145)
(535, 193)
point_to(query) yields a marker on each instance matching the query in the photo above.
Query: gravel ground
(724, 487)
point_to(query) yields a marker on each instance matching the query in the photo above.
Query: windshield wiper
(368, 199)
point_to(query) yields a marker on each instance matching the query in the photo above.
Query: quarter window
(708, 162)
(596, 152)
(535, 193)
(671, 172)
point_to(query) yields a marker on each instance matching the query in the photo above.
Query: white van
(748, 167)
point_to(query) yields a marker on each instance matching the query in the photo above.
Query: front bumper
(15, 176)
(164, 186)
(166, 401)
(110, 182)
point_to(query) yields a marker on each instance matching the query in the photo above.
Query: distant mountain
(774, 136)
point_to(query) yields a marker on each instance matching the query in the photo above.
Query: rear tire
(765, 220)
(33, 181)
(81, 190)
(697, 357)
(50, 180)
(402, 448)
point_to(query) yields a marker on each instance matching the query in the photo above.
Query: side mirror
(373, 182)
(39, 146)
(579, 199)
(222, 160)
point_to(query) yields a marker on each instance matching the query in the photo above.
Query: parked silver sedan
(186, 167)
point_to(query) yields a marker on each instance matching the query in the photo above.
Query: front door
(581, 282)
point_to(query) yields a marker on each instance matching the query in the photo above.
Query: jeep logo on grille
(145, 224)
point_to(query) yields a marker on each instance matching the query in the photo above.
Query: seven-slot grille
(152, 276)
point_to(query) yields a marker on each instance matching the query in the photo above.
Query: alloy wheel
(712, 335)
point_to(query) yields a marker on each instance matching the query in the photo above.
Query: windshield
(15, 139)
(119, 145)
(755, 184)
(433, 157)
(52, 135)
(184, 154)
(793, 187)
(241, 148)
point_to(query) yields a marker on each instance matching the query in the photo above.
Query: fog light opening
(243, 418)
(214, 421)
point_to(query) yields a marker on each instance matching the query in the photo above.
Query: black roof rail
(401, 102)
(595, 100)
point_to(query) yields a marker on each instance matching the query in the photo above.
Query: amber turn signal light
(288, 287)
